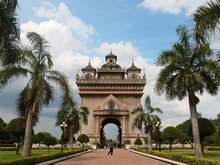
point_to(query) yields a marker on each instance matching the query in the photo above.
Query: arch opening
(116, 125)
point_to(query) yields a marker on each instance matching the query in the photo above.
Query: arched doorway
(104, 123)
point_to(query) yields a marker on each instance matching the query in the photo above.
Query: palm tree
(188, 69)
(148, 118)
(9, 32)
(69, 113)
(35, 63)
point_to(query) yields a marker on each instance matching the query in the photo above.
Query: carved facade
(110, 93)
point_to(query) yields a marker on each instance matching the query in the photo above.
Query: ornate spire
(133, 67)
(88, 67)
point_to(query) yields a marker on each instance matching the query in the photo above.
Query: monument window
(134, 76)
(111, 104)
(88, 76)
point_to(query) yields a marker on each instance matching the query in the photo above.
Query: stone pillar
(124, 131)
(97, 131)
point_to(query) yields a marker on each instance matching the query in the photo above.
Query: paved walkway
(119, 157)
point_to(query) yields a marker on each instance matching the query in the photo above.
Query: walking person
(110, 145)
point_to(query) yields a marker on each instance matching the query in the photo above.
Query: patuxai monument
(111, 93)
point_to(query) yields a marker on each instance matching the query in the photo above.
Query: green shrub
(7, 145)
(41, 158)
(7, 148)
(179, 158)
(213, 148)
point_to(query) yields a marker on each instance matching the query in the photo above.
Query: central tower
(111, 94)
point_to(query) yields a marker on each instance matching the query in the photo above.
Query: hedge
(213, 148)
(7, 145)
(41, 158)
(179, 158)
(7, 148)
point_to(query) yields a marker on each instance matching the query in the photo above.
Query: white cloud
(62, 14)
(172, 6)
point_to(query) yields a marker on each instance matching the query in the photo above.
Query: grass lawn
(11, 155)
(214, 155)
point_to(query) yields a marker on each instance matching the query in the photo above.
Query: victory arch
(111, 93)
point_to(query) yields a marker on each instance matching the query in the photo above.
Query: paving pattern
(119, 157)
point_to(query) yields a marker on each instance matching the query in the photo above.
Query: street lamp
(138, 138)
(63, 125)
(138, 135)
(158, 125)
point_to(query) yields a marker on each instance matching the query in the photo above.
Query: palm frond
(206, 18)
(137, 110)
(48, 93)
(61, 80)
(21, 102)
(10, 73)
(84, 114)
(9, 33)
(39, 43)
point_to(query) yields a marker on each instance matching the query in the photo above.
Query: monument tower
(111, 93)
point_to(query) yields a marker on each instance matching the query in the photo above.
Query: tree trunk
(28, 136)
(195, 126)
(170, 145)
(160, 146)
(18, 146)
(71, 139)
(149, 139)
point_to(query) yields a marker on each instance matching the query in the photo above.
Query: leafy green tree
(148, 118)
(17, 128)
(207, 20)
(170, 134)
(127, 141)
(216, 121)
(35, 63)
(103, 139)
(156, 136)
(138, 142)
(188, 69)
(206, 128)
(217, 137)
(41, 136)
(83, 138)
(2, 129)
(9, 32)
(183, 129)
(35, 139)
(69, 113)
(50, 141)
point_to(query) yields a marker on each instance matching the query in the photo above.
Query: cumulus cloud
(172, 6)
(62, 14)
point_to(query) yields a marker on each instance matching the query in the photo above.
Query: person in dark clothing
(110, 145)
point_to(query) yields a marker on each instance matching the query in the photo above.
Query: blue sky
(83, 30)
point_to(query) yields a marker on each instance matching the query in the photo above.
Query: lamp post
(138, 138)
(158, 125)
(63, 125)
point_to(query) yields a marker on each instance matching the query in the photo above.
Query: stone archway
(111, 93)
(113, 121)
